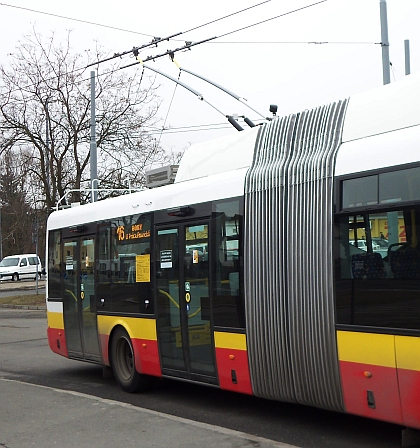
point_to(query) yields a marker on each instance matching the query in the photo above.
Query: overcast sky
(269, 63)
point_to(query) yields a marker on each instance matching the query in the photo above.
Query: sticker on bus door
(165, 259)
(69, 263)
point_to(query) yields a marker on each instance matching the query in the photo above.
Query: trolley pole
(93, 149)
(407, 56)
(385, 43)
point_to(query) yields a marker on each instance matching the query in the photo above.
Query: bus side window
(121, 242)
(377, 269)
(228, 300)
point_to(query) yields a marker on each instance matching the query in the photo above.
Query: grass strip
(24, 299)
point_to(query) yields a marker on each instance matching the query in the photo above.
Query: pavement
(47, 417)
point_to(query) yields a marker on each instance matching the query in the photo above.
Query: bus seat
(367, 265)
(405, 263)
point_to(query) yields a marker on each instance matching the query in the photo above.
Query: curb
(18, 286)
(25, 307)
(22, 288)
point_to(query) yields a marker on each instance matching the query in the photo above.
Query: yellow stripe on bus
(230, 340)
(366, 348)
(55, 320)
(138, 328)
(408, 352)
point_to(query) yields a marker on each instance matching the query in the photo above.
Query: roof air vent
(161, 176)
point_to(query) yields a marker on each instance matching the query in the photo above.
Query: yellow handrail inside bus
(72, 294)
(169, 297)
(177, 304)
(194, 314)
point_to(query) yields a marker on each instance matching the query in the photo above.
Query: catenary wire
(191, 29)
(83, 68)
(123, 29)
(272, 18)
(194, 28)
(295, 42)
(120, 29)
(75, 20)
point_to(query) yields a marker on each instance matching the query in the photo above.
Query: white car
(16, 267)
(362, 244)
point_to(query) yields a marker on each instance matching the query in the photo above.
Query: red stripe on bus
(146, 356)
(371, 391)
(104, 339)
(57, 341)
(409, 382)
(233, 369)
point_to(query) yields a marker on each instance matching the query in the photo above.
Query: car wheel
(15, 277)
(39, 276)
(123, 363)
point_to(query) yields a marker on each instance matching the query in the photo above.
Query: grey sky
(251, 63)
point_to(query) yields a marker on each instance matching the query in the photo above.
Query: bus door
(79, 298)
(183, 320)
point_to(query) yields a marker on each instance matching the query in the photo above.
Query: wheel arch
(123, 325)
(126, 366)
(107, 326)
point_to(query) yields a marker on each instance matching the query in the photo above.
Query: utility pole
(36, 249)
(47, 145)
(1, 235)
(407, 56)
(385, 43)
(93, 151)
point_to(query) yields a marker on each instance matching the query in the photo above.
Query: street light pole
(386, 72)
(93, 149)
(36, 250)
(1, 234)
(47, 145)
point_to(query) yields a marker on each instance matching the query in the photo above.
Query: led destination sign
(132, 233)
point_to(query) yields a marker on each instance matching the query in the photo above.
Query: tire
(123, 365)
(39, 276)
(15, 277)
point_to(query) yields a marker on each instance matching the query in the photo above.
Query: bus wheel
(123, 365)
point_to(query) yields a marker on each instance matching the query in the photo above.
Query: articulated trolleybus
(283, 262)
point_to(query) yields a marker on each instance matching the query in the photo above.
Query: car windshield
(9, 262)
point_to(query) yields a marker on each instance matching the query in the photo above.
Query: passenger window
(55, 267)
(228, 301)
(23, 262)
(377, 265)
(123, 267)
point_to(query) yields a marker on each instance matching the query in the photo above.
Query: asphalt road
(25, 359)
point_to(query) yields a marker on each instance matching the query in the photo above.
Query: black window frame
(385, 286)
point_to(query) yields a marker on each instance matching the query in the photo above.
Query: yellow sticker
(143, 268)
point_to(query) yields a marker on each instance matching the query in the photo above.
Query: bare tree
(18, 218)
(45, 118)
